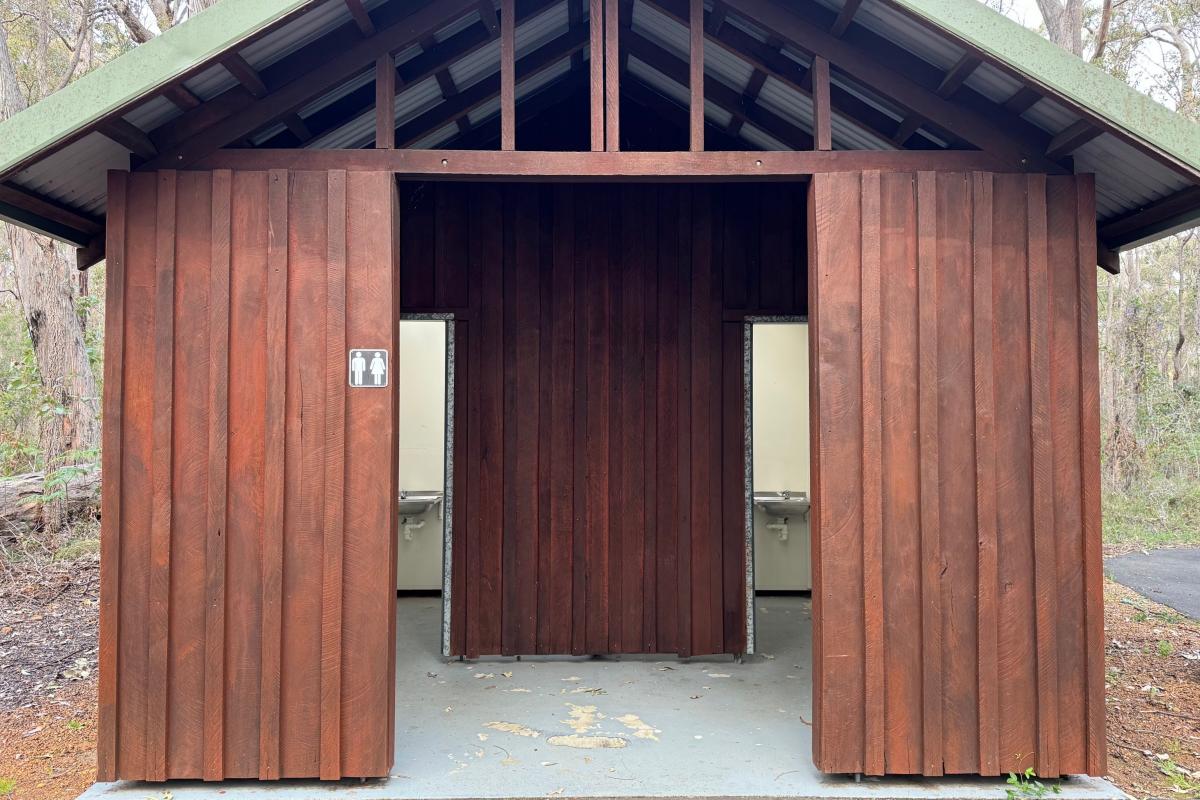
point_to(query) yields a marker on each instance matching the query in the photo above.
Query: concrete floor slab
(605, 728)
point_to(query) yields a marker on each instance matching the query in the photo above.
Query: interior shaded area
(599, 448)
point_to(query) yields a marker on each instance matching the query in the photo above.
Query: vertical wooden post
(508, 75)
(385, 102)
(612, 75)
(596, 67)
(696, 75)
(822, 132)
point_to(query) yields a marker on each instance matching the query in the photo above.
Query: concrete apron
(603, 728)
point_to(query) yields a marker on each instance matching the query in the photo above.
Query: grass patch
(7, 786)
(77, 549)
(1153, 514)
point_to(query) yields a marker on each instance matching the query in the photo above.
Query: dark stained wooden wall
(248, 503)
(599, 404)
(958, 620)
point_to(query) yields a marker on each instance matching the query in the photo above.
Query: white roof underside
(1126, 178)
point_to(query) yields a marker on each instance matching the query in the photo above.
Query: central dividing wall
(599, 441)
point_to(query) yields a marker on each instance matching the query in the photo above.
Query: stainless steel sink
(415, 502)
(783, 504)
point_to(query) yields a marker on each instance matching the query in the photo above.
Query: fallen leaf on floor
(581, 742)
(719, 675)
(483, 737)
(583, 718)
(573, 679)
(518, 690)
(587, 690)
(485, 675)
(556, 792)
(514, 728)
(640, 729)
(506, 674)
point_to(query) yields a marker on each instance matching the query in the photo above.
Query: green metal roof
(1045, 64)
(137, 74)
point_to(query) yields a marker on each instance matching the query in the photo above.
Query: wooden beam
(957, 75)
(596, 71)
(51, 210)
(361, 18)
(612, 76)
(769, 59)
(181, 96)
(865, 66)
(508, 75)
(845, 17)
(91, 254)
(749, 98)
(299, 129)
(245, 74)
(487, 14)
(533, 165)
(129, 136)
(907, 127)
(385, 102)
(720, 95)
(1071, 139)
(1171, 213)
(696, 76)
(319, 78)
(1022, 100)
(822, 115)
(1108, 260)
(488, 89)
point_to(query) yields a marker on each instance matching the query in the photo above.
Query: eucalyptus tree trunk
(70, 428)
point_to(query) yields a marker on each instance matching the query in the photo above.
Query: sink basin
(414, 502)
(783, 504)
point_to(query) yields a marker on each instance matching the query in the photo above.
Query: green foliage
(1026, 784)
(1164, 648)
(7, 786)
(22, 399)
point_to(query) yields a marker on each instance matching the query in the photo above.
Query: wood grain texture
(607, 341)
(991, 661)
(215, 548)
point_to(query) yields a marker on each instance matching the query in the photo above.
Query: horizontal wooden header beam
(529, 165)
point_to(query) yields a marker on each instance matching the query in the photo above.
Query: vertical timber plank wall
(956, 549)
(248, 525)
(602, 428)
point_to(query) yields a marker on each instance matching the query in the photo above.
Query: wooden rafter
(1071, 139)
(181, 96)
(957, 75)
(49, 215)
(246, 75)
(1022, 100)
(866, 66)
(361, 18)
(420, 67)
(129, 136)
(1161, 216)
(295, 123)
(488, 89)
(596, 72)
(749, 98)
(313, 81)
(768, 58)
(720, 95)
(845, 17)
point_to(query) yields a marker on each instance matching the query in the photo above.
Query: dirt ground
(48, 690)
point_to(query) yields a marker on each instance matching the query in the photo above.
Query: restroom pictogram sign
(368, 368)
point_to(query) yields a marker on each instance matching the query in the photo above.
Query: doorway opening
(425, 506)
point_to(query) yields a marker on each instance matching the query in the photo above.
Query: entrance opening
(595, 355)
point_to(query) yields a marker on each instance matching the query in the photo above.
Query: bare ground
(48, 689)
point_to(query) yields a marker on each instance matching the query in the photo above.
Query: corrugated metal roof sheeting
(303, 30)
(77, 174)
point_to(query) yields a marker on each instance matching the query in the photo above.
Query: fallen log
(22, 497)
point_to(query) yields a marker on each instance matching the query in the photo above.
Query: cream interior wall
(421, 378)
(779, 394)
